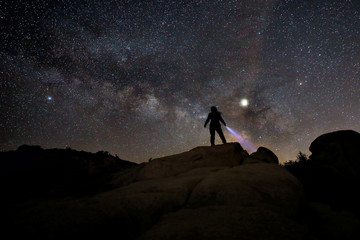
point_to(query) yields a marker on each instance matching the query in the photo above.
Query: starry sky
(138, 78)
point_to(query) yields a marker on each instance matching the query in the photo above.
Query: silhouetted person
(215, 118)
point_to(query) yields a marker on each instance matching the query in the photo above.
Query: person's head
(213, 109)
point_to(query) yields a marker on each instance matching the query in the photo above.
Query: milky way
(138, 78)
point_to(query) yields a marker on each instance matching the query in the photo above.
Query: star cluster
(137, 78)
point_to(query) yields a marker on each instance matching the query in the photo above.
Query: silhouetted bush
(326, 183)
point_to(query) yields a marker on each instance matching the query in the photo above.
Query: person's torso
(215, 119)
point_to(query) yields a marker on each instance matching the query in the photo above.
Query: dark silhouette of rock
(265, 155)
(31, 170)
(205, 193)
(226, 155)
(217, 192)
(331, 180)
(339, 149)
(335, 172)
(334, 177)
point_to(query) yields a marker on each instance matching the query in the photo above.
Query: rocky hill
(218, 192)
(32, 171)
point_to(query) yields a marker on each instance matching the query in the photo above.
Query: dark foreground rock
(31, 171)
(207, 193)
(331, 179)
(332, 174)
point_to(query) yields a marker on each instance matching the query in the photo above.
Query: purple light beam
(248, 145)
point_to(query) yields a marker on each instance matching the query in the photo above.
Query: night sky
(138, 78)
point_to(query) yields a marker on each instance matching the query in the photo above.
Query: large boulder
(265, 155)
(233, 203)
(333, 172)
(205, 193)
(228, 155)
(340, 149)
(224, 222)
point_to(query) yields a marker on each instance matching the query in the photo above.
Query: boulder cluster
(218, 192)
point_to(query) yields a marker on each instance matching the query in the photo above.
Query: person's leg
(221, 134)
(212, 136)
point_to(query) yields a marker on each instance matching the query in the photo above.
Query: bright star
(244, 102)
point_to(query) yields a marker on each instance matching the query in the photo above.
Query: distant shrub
(29, 148)
(103, 153)
(326, 183)
(301, 161)
(302, 157)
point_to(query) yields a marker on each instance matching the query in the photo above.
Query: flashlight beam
(248, 145)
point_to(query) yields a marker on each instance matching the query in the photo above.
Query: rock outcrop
(334, 174)
(31, 170)
(215, 192)
(331, 180)
(263, 155)
(339, 149)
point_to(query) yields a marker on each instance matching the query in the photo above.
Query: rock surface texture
(217, 192)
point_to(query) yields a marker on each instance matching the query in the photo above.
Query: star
(244, 102)
(138, 78)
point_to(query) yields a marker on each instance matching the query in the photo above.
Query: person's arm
(222, 120)
(207, 120)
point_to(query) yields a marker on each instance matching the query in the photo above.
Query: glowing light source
(245, 143)
(244, 102)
